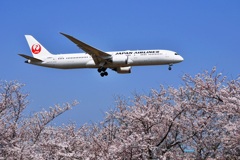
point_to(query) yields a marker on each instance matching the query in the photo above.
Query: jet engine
(123, 69)
(120, 59)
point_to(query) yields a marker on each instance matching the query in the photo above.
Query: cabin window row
(75, 57)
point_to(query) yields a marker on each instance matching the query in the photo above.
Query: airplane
(119, 61)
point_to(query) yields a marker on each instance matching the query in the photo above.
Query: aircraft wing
(30, 58)
(97, 55)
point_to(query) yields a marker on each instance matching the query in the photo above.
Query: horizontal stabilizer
(30, 58)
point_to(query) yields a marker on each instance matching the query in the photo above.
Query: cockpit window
(176, 54)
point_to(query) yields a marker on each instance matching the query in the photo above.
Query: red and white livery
(119, 61)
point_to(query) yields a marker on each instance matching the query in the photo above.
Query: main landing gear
(102, 71)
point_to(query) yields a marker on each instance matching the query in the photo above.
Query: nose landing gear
(170, 67)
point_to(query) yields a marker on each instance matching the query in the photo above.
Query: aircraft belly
(73, 64)
(65, 64)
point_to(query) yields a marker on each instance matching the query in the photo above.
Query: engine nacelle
(123, 70)
(120, 59)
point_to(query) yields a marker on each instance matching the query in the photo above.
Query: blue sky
(205, 33)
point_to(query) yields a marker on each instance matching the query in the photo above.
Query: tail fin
(38, 51)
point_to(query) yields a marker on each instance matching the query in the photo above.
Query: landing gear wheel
(102, 74)
(101, 69)
(169, 68)
(104, 69)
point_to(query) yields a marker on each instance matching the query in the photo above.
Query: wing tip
(66, 35)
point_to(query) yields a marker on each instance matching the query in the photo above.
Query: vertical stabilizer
(38, 51)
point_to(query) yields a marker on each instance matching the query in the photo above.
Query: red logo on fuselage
(36, 48)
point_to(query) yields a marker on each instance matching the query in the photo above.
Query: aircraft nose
(180, 59)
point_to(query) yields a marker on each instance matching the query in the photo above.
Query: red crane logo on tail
(36, 48)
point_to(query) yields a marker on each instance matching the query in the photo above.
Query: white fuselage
(120, 59)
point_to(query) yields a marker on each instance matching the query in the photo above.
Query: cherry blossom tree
(22, 137)
(198, 120)
(201, 116)
(213, 107)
